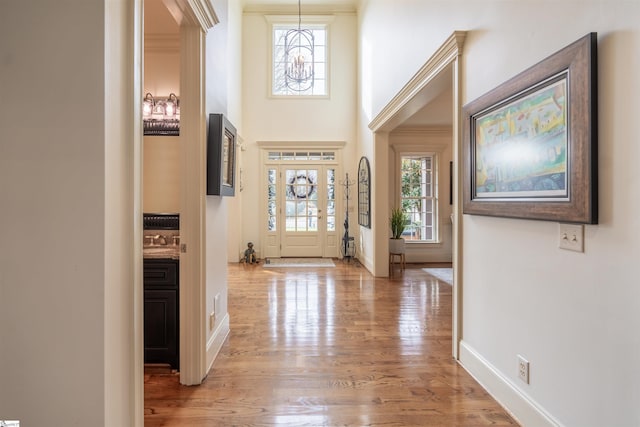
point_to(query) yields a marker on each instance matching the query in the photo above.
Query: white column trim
(195, 18)
(456, 231)
(123, 373)
(192, 206)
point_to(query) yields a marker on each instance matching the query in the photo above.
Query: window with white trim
(418, 196)
(319, 84)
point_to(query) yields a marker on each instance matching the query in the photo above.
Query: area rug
(443, 274)
(298, 262)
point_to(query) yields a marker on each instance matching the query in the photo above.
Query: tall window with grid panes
(418, 197)
(317, 85)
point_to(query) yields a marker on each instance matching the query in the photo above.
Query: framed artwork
(221, 156)
(530, 145)
(364, 193)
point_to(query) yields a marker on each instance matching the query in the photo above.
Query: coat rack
(348, 247)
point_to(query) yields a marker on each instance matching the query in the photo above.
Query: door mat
(297, 262)
(443, 274)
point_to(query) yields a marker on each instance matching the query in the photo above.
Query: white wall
(234, 107)
(161, 66)
(161, 174)
(219, 58)
(161, 179)
(66, 260)
(294, 120)
(572, 315)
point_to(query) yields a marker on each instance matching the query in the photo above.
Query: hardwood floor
(330, 347)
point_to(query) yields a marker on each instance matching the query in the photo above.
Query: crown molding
(161, 43)
(316, 9)
(193, 12)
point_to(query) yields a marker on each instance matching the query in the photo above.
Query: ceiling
(436, 112)
(157, 19)
(352, 3)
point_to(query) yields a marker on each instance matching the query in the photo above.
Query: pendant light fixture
(298, 57)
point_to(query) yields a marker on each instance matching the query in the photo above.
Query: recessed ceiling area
(431, 106)
(437, 113)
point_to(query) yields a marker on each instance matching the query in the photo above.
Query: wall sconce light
(161, 116)
(172, 105)
(147, 105)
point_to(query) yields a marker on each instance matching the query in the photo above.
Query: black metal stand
(348, 247)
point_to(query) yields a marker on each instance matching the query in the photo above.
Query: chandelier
(298, 57)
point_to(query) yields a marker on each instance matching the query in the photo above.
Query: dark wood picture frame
(364, 193)
(555, 176)
(451, 182)
(221, 156)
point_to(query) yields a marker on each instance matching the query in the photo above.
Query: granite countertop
(161, 252)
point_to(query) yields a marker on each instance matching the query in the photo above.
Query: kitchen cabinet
(161, 315)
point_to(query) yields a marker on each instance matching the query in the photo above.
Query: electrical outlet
(571, 237)
(523, 369)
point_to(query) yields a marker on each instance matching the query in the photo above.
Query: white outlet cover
(523, 369)
(571, 237)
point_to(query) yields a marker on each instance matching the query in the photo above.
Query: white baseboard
(524, 409)
(366, 262)
(214, 344)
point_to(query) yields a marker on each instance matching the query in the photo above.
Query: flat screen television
(221, 156)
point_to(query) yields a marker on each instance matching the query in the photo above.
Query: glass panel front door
(301, 194)
(304, 199)
(302, 207)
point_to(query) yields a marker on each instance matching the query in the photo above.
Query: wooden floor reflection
(330, 347)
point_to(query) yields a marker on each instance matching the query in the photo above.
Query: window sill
(423, 242)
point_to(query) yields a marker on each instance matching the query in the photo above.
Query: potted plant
(398, 222)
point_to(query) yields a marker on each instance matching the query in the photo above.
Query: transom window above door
(301, 155)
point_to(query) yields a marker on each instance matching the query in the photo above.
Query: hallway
(329, 347)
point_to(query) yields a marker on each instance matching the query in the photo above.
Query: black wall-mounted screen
(221, 156)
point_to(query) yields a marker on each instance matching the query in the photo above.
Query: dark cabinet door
(161, 319)
(161, 326)
(160, 273)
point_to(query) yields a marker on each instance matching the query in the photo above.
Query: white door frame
(195, 18)
(413, 96)
(322, 146)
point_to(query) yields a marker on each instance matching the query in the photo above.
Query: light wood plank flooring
(330, 347)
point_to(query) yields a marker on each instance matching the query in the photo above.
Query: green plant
(398, 221)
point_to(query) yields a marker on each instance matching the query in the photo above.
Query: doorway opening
(414, 106)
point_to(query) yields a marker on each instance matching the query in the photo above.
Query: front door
(302, 210)
(306, 201)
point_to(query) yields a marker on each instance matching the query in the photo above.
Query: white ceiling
(157, 19)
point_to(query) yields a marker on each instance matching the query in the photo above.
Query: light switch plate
(571, 237)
